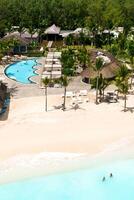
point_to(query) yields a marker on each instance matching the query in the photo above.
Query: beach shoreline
(102, 133)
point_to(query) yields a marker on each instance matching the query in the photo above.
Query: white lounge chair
(79, 100)
(86, 100)
(57, 86)
(83, 93)
(69, 94)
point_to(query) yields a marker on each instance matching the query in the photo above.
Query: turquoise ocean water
(84, 184)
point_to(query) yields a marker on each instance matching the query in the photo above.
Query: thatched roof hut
(52, 33)
(17, 37)
(109, 70)
(53, 30)
(21, 45)
(24, 35)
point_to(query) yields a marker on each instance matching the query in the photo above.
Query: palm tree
(21, 29)
(31, 31)
(98, 67)
(64, 82)
(121, 82)
(83, 57)
(68, 61)
(103, 83)
(46, 81)
(130, 49)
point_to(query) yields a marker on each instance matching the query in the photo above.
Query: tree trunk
(46, 99)
(97, 82)
(103, 93)
(125, 102)
(64, 103)
(131, 82)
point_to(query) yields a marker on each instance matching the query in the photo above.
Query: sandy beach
(93, 130)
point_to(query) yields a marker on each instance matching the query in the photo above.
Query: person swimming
(110, 175)
(103, 179)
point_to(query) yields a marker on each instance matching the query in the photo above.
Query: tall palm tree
(21, 28)
(130, 49)
(103, 83)
(46, 82)
(98, 67)
(83, 57)
(121, 82)
(31, 31)
(64, 81)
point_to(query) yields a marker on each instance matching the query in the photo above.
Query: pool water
(85, 184)
(21, 71)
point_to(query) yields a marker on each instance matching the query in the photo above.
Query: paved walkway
(19, 90)
(27, 90)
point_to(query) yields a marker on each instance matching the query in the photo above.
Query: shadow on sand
(73, 107)
(129, 109)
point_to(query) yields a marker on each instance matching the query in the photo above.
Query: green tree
(46, 82)
(97, 68)
(130, 49)
(64, 82)
(103, 83)
(121, 82)
(68, 60)
(83, 57)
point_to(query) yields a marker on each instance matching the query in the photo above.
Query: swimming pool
(22, 71)
(85, 184)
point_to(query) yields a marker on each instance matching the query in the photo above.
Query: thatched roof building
(22, 42)
(53, 30)
(109, 70)
(52, 33)
(25, 35)
(17, 37)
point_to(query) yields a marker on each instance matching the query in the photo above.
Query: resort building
(52, 33)
(108, 71)
(24, 35)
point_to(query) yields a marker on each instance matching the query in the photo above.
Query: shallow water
(21, 71)
(82, 184)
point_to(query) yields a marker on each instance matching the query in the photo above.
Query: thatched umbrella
(109, 70)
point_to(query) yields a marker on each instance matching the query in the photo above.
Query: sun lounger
(86, 100)
(79, 100)
(130, 91)
(69, 94)
(57, 86)
(76, 100)
(83, 93)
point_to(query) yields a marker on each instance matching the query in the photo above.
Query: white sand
(92, 130)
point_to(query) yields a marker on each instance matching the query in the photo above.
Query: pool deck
(19, 90)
